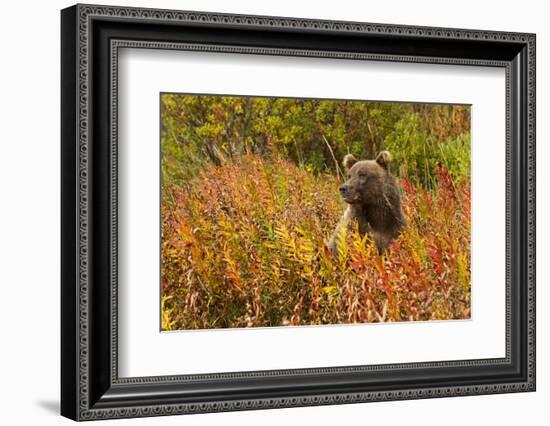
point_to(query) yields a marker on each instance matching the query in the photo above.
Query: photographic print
(290, 211)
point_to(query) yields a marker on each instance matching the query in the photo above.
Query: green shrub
(312, 133)
(417, 154)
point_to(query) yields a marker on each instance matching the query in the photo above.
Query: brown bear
(373, 199)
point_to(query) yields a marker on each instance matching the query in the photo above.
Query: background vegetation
(249, 198)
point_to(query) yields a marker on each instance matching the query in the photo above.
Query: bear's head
(366, 179)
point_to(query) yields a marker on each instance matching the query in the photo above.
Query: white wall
(29, 213)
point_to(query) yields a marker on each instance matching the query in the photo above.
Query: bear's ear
(348, 161)
(383, 158)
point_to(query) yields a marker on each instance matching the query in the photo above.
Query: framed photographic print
(263, 212)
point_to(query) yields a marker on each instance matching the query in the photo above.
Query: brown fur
(373, 199)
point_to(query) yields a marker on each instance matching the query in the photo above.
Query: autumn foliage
(244, 245)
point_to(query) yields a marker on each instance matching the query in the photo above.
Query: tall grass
(244, 245)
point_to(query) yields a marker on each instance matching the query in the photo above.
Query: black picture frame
(90, 386)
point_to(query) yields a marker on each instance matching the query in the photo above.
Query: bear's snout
(344, 189)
